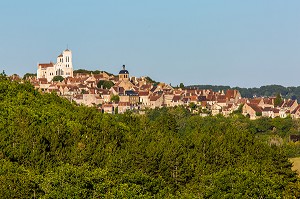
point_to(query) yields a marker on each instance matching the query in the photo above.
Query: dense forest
(52, 148)
(263, 91)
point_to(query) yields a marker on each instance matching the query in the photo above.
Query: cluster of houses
(138, 94)
(265, 107)
(131, 93)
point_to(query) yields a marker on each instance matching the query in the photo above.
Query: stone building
(63, 67)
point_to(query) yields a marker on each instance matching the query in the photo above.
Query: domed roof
(124, 71)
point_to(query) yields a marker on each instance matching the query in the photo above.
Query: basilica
(63, 67)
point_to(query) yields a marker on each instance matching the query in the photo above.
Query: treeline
(89, 71)
(263, 91)
(51, 148)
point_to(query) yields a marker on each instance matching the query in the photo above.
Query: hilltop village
(119, 93)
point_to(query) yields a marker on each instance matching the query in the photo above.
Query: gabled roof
(143, 93)
(289, 103)
(296, 109)
(145, 87)
(255, 107)
(255, 101)
(229, 94)
(267, 109)
(267, 101)
(202, 98)
(221, 101)
(46, 65)
(176, 98)
(154, 98)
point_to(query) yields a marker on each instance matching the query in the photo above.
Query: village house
(144, 99)
(156, 101)
(253, 111)
(130, 96)
(296, 112)
(123, 107)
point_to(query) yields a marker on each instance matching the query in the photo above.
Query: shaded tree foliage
(51, 148)
(105, 84)
(58, 78)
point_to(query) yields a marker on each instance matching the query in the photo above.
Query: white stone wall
(63, 67)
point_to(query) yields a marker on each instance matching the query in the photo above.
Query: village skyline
(246, 44)
(120, 93)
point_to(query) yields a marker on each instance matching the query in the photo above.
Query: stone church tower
(123, 74)
(63, 67)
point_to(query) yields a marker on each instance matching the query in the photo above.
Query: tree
(27, 75)
(148, 79)
(105, 84)
(239, 110)
(278, 100)
(115, 98)
(52, 148)
(3, 73)
(181, 85)
(57, 78)
(192, 106)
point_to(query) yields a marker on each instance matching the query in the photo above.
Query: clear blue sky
(228, 42)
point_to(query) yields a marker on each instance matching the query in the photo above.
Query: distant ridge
(263, 91)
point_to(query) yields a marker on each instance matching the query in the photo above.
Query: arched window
(59, 72)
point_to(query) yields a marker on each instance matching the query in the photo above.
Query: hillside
(51, 148)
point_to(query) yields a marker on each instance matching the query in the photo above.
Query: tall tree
(278, 100)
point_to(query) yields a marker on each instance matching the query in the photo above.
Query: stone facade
(63, 67)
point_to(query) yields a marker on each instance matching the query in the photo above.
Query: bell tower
(123, 74)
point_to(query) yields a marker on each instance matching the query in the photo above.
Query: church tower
(123, 74)
(64, 66)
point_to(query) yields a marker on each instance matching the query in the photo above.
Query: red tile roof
(176, 98)
(46, 65)
(154, 98)
(143, 93)
(255, 107)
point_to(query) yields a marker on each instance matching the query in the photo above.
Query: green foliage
(181, 85)
(58, 78)
(105, 84)
(258, 113)
(278, 100)
(51, 148)
(27, 75)
(192, 106)
(115, 98)
(86, 71)
(239, 110)
(148, 79)
(90, 71)
(3, 74)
